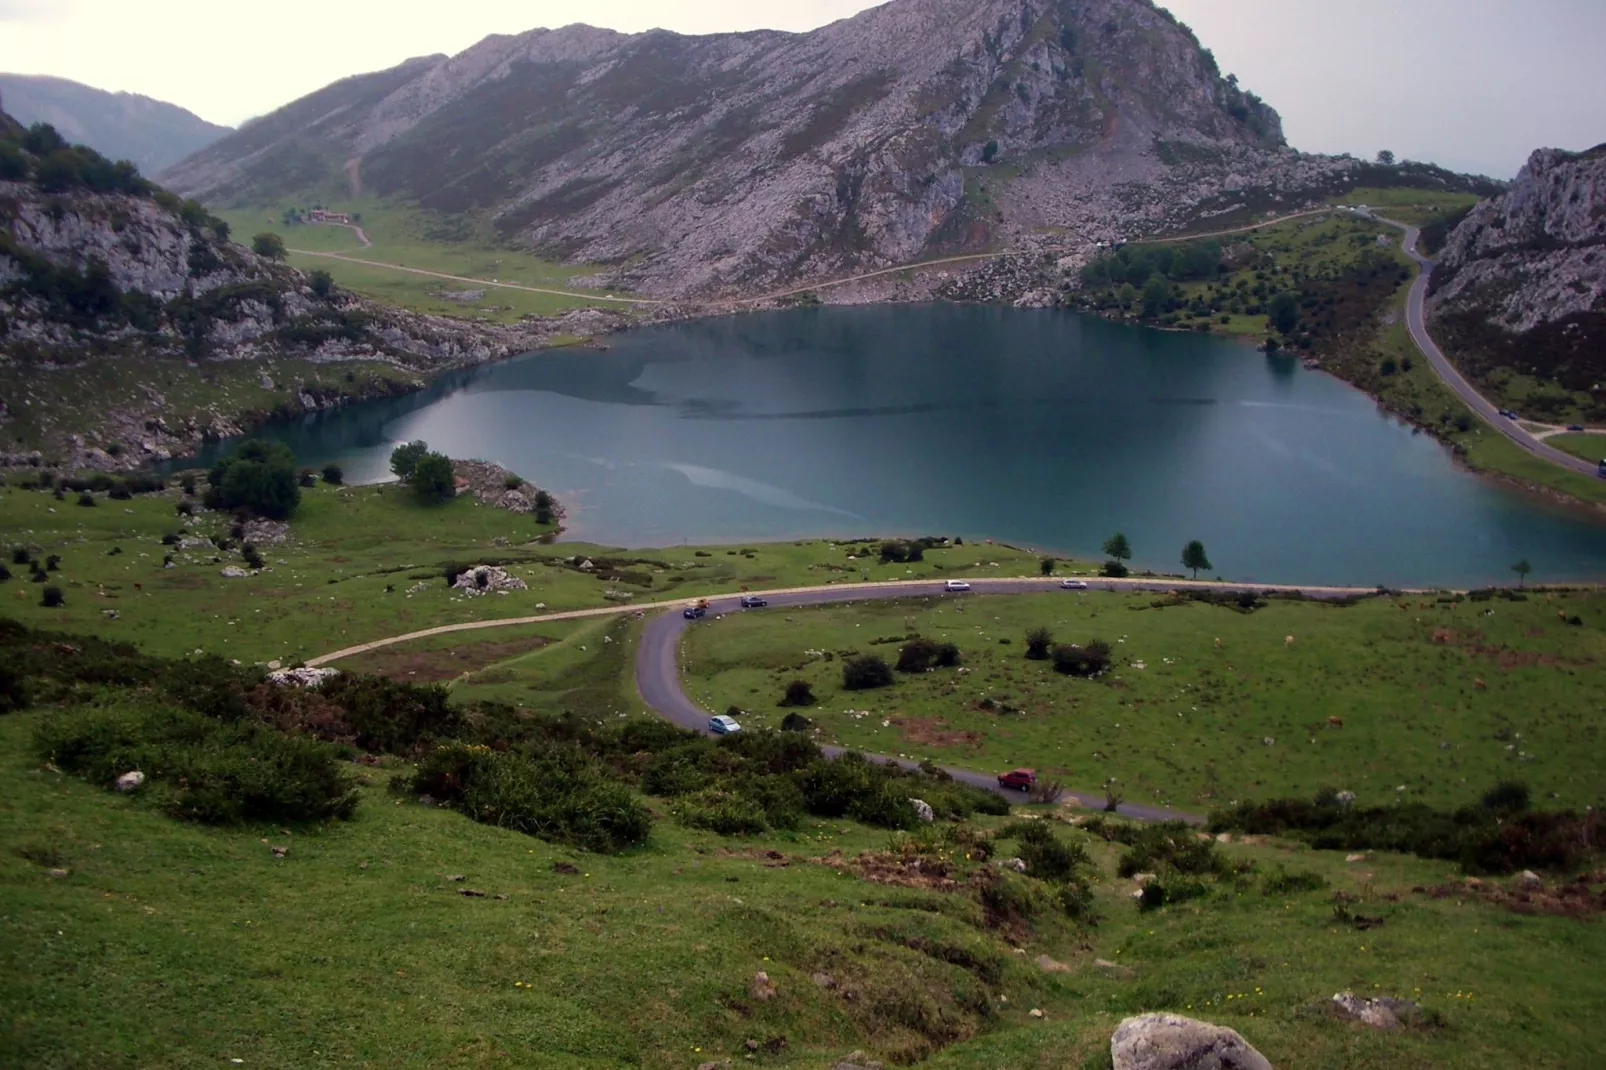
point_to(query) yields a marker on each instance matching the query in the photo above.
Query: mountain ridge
(701, 165)
(150, 133)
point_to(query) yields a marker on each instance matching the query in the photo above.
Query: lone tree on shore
(1386, 158)
(1119, 549)
(1194, 557)
(405, 458)
(1046, 566)
(1522, 568)
(432, 479)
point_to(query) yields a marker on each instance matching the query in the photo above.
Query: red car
(1023, 779)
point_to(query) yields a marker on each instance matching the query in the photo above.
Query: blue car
(723, 725)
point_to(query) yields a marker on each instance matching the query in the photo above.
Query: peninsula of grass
(360, 563)
(1588, 446)
(1417, 698)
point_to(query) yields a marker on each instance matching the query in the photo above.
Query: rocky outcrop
(98, 264)
(734, 162)
(1520, 286)
(1172, 1042)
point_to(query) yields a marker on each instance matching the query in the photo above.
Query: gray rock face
(1172, 1042)
(732, 162)
(1537, 253)
(1383, 1013)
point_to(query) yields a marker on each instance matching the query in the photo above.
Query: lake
(1041, 428)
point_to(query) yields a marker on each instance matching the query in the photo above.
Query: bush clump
(557, 794)
(1499, 835)
(1084, 661)
(211, 771)
(259, 476)
(865, 672)
(798, 693)
(921, 654)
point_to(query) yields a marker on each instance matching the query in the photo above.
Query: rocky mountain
(1520, 288)
(97, 263)
(123, 126)
(732, 162)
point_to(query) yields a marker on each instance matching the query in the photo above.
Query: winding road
(1416, 322)
(657, 668)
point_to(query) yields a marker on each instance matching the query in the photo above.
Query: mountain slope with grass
(108, 280)
(1519, 293)
(700, 165)
(151, 134)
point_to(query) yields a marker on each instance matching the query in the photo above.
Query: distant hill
(121, 126)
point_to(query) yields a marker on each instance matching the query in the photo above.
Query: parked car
(956, 585)
(1575, 427)
(1073, 585)
(723, 725)
(1510, 414)
(1019, 779)
(753, 601)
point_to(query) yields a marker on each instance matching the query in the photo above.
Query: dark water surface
(1040, 428)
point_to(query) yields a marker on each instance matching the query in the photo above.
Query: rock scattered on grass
(762, 988)
(130, 780)
(857, 1061)
(1383, 1013)
(923, 810)
(486, 579)
(303, 677)
(1164, 1041)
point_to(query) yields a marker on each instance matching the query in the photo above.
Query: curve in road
(1416, 322)
(657, 666)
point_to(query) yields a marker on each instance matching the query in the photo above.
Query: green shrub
(1114, 569)
(1047, 857)
(1157, 894)
(86, 499)
(259, 476)
(14, 691)
(798, 693)
(52, 598)
(795, 722)
(333, 475)
(390, 716)
(1084, 661)
(556, 794)
(1076, 900)
(723, 812)
(865, 672)
(209, 771)
(1170, 845)
(1285, 883)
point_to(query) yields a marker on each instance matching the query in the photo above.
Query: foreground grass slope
(168, 945)
(1438, 697)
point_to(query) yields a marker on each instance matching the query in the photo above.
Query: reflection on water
(1037, 427)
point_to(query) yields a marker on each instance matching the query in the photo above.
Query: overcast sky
(1474, 85)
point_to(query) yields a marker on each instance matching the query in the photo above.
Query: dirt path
(480, 282)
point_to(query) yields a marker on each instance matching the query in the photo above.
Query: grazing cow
(1288, 640)
(1218, 642)
(1479, 684)
(1335, 722)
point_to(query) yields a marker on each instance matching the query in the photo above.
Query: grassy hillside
(1438, 697)
(413, 238)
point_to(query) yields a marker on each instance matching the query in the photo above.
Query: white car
(956, 585)
(1073, 585)
(723, 725)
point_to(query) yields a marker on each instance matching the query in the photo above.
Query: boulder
(1529, 879)
(303, 677)
(1383, 1013)
(762, 988)
(130, 780)
(923, 809)
(857, 1061)
(486, 579)
(1016, 864)
(1171, 1042)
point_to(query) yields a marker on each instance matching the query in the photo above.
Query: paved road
(1416, 321)
(659, 680)
(657, 658)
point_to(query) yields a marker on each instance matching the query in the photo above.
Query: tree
(544, 507)
(432, 478)
(1386, 158)
(864, 672)
(989, 152)
(1118, 547)
(1522, 568)
(1045, 567)
(1194, 557)
(333, 475)
(259, 476)
(798, 693)
(1038, 642)
(269, 245)
(1127, 295)
(1156, 292)
(322, 284)
(404, 458)
(1283, 311)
